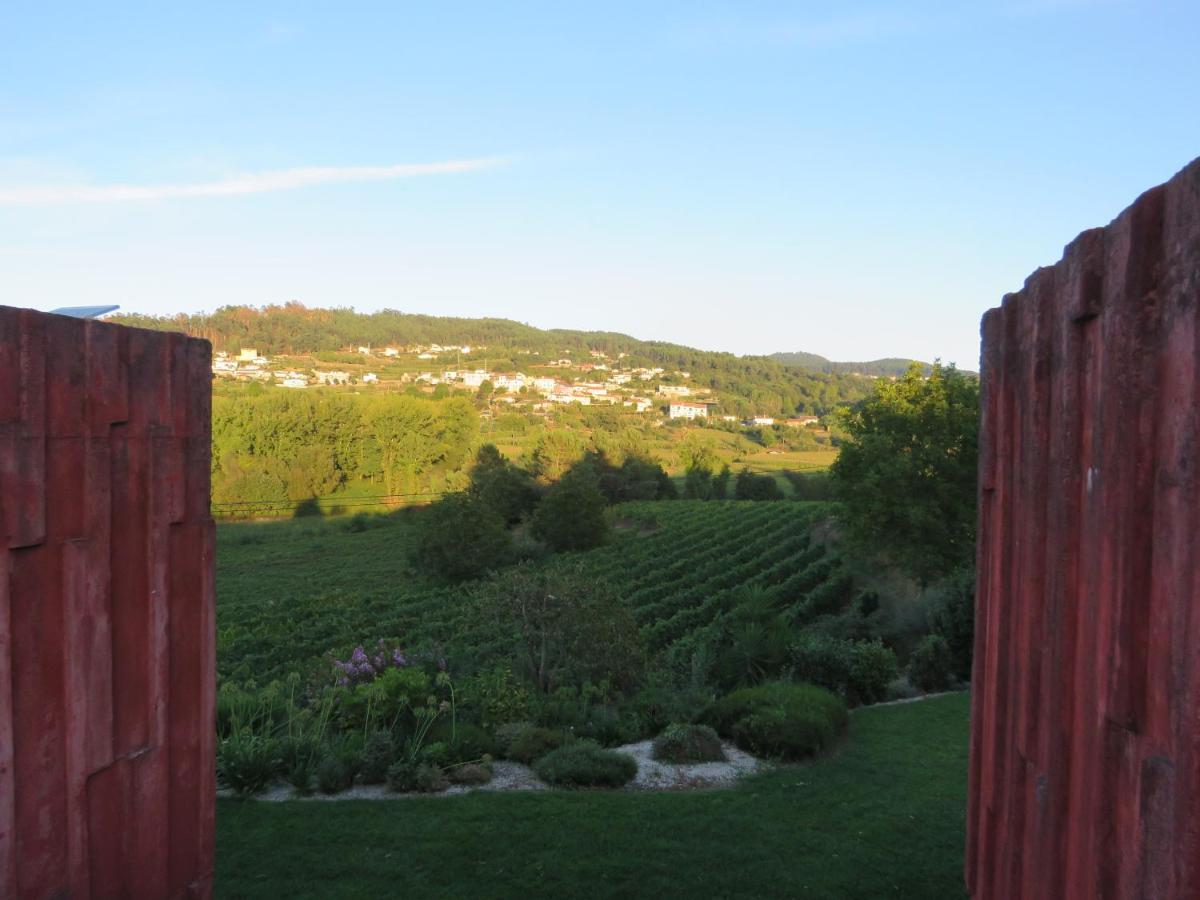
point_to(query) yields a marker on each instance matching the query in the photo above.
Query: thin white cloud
(238, 185)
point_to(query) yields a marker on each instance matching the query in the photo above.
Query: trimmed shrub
(660, 703)
(333, 775)
(787, 721)
(585, 764)
(377, 756)
(931, 666)
(430, 779)
(688, 744)
(532, 743)
(858, 671)
(402, 777)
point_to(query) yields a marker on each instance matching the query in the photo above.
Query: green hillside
(815, 363)
(289, 593)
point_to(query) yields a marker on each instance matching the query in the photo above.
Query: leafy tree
(555, 452)
(571, 516)
(952, 616)
(700, 454)
(568, 627)
(907, 472)
(697, 484)
(749, 486)
(461, 537)
(501, 486)
(720, 484)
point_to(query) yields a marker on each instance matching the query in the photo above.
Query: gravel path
(510, 776)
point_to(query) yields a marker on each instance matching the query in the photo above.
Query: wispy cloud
(238, 185)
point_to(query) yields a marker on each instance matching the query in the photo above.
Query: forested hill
(816, 363)
(761, 383)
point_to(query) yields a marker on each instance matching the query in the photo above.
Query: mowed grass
(881, 817)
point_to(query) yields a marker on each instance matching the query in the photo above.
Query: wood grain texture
(107, 641)
(1085, 742)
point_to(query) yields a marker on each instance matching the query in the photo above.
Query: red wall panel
(1085, 732)
(107, 637)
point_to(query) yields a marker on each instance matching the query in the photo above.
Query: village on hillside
(601, 380)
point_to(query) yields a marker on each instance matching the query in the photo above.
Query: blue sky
(857, 180)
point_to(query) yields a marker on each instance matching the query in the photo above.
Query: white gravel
(660, 776)
(652, 775)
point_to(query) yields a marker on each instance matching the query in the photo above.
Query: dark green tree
(461, 537)
(571, 516)
(907, 471)
(502, 486)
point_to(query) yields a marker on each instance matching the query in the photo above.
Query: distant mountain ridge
(814, 362)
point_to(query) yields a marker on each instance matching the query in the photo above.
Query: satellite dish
(83, 312)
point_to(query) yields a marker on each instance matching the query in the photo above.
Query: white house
(544, 385)
(762, 420)
(474, 379)
(684, 409)
(370, 378)
(331, 377)
(674, 390)
(509, 381)
(569, 396)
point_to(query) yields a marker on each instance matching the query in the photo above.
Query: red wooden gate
(1085, 743)
(106, 611)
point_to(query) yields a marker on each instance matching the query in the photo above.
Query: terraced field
(289, 592)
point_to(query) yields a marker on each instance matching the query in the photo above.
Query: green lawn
(882, 817)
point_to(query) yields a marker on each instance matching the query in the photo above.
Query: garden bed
(652, 775)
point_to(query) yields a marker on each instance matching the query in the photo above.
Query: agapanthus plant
(364, 668)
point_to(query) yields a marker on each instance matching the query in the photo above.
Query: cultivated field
(289, 592)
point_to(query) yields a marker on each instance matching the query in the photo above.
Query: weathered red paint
(107, 640)
(1085, 731)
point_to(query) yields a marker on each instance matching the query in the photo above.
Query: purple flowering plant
(363, 668)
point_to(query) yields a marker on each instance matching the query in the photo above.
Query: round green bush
(532, 743)
(859, 671)
(333, 775)
(402, 777)
(688, 744)
(931, 667)
(430, 779)
(585, 764)
(464, 742)
(377, 757)
(780, 720)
